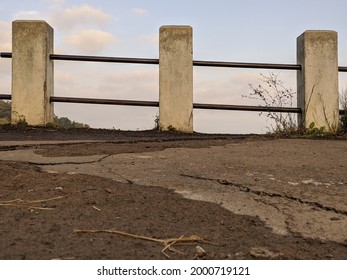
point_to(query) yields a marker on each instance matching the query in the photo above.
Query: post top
(320, 31)
(316, 34)
(28, 21)
(176, 27)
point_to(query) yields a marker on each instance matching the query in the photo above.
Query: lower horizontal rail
(246, 108)
(5, 96)
(156, 104)
(105, 101)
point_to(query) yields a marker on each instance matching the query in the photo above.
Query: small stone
(200, 252)
(264, 253)
(96, 208)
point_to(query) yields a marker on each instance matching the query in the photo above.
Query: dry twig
(167, 243)
(96, 208)
(28, 204)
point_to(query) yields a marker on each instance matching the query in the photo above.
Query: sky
(223, 30)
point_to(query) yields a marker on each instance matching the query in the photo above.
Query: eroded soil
(42, 206)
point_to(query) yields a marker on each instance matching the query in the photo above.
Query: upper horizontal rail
(156, 62)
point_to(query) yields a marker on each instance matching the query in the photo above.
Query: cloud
(142, 84)
(5, 36)
(26, 15)
(236, 122)
(128, 82)
(63, 77)
(139, 11)
(90, 41)
(152, 39)
(220, 86)
(5, 64)
(85, 14)
(55, 2)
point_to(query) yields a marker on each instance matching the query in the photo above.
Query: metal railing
(224, 64)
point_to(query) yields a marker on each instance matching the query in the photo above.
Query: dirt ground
(63, 200)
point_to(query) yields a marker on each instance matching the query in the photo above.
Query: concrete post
(32, 72)
(317, 82)
(176, 78)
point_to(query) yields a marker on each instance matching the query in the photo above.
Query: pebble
(200, 252)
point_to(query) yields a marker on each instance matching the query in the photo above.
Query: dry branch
(28, 203)
(45, 200)
(167, 243)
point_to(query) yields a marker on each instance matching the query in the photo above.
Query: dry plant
(29, 203)
(343, 116)
(167, 243)
(272, 93)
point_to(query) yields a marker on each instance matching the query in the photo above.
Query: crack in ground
(125, 141)
(243, 188)
(288, 217)
(67, 162)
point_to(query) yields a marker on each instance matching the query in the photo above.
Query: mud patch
(45, 229)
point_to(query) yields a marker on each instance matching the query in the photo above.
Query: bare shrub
(343, 116)
(273, 93)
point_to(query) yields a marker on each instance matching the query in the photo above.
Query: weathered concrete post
(176, 78)
(32, 72)
(317, 82)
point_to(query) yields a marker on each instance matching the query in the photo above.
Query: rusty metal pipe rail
(104, 101)
(246, 65)
(246, 108)
(156, 104)
(6, 55)
(156, 62)
(104, 59)
(5, 96)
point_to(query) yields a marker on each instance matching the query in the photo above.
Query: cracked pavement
(296, 186)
